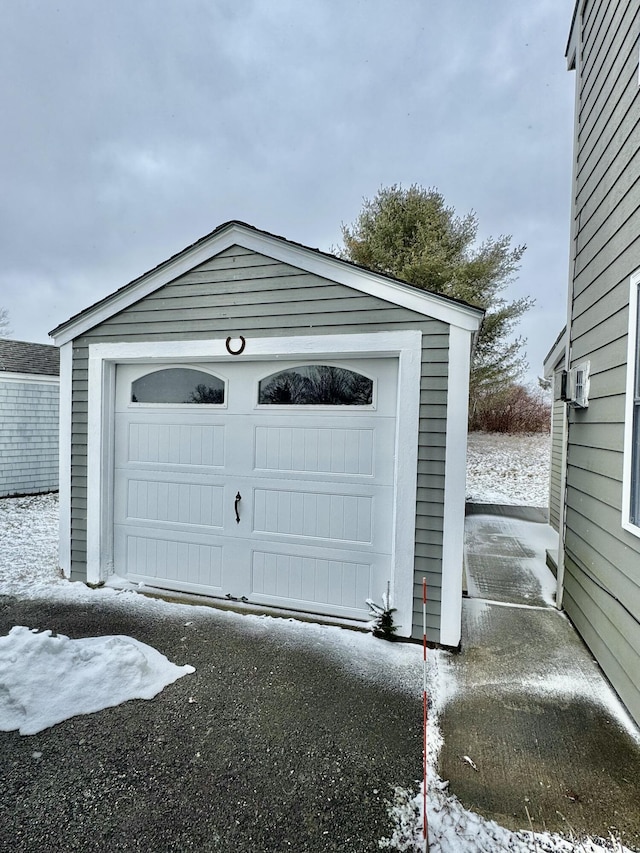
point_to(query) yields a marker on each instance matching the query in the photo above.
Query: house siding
(555, 467)
(28, 436)
(239, 292)
(602, 560)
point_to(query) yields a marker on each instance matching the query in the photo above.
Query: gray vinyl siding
(241, 293)
(602, 561)
(555, 468)
(28, 437)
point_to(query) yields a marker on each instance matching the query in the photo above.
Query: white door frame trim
(404, 345)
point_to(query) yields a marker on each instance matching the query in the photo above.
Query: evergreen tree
(412, 235)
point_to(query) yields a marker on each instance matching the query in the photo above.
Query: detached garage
(257, 420)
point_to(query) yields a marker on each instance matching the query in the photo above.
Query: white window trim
(406, 346)
(633, 340)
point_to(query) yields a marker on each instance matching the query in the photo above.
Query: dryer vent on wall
(575, 386)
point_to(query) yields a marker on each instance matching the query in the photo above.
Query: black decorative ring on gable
(240, 349)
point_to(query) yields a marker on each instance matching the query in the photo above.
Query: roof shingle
(25, 357)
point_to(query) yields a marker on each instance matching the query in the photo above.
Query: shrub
(511, 409)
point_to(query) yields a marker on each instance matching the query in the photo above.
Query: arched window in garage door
(178, 385)
(316, 384)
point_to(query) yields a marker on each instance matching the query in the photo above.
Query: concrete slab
(526, 702)
(505, 561)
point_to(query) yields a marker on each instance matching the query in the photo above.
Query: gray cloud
(130, 130)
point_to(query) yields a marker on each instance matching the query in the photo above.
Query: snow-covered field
(502, 469)
(508, 469)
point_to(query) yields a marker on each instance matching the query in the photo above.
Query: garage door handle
(235, 506)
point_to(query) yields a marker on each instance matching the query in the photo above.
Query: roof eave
(311, 260)
(554, 355)
(571, 50)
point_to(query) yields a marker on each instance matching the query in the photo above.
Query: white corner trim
(333, 269)
(406, 483)
(454, 487)
(406, 346)
(95, 474)
(100, 459)
(64, 459)
(627, 458)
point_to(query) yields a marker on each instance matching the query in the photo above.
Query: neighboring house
(29, 390)
(599, 562)
(554, 365)
(259, 420)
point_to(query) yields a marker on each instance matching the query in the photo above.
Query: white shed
(29, 392)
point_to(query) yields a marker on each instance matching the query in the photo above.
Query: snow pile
(508, 469)
(45, 679)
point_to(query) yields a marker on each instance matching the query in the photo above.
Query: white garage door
(266, 482)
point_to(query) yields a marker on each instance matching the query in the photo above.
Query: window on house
(631, 457)
(634, 508)
(178, 385)
(316, 384)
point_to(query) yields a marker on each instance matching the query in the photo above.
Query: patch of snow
(45, 679)
(454, 829)
(508, 469)
(29, 543)
(451, 827)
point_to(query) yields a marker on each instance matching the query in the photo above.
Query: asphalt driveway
(272, 744)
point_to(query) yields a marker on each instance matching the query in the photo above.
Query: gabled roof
(25, 357)
(235, 233)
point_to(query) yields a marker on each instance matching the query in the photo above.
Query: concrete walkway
(526, 701)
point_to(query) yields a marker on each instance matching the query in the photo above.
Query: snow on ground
(508, 469)
(28, 544)
(47, 679)
(498, 466)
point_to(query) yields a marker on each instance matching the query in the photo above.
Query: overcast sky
(131, 129)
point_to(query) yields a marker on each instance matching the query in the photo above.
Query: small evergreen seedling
(382, 624)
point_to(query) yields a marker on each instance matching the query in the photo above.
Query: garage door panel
(325, 447)
(166, 497)
(326, 583)
(317, 515)
(311, 449)
(187, 558)
(169, 443)
(175, 503)
(309, 579)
